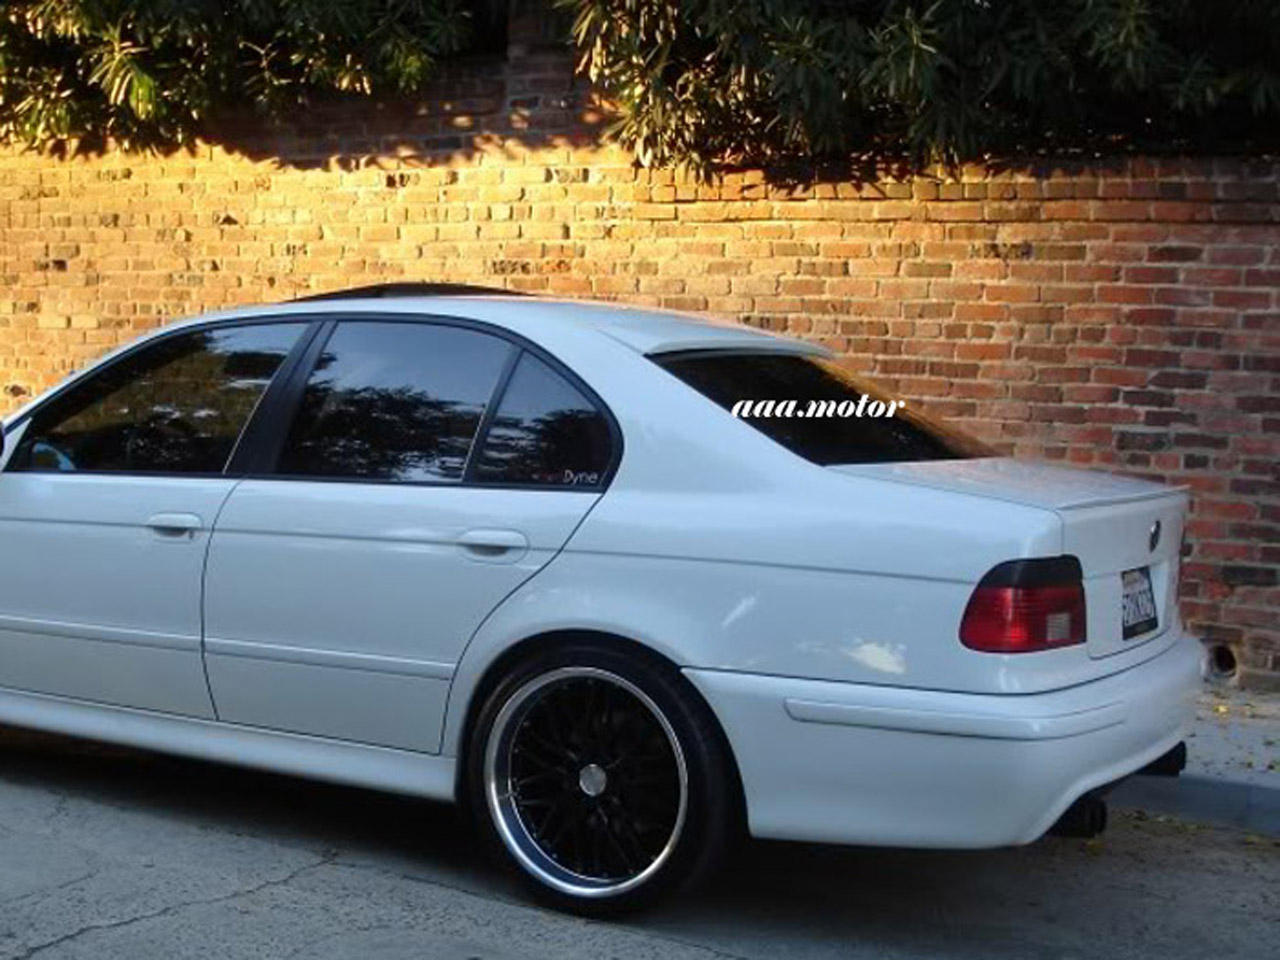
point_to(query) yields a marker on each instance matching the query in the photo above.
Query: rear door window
(813, 409)
(394, 402)
(545, 432)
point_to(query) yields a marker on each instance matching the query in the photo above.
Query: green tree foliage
(695, 81)
(149, 72)
(767, 81)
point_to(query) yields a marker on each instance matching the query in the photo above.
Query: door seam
(462, 654)
(204, 586)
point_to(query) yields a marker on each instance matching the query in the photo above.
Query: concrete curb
(1209, 800)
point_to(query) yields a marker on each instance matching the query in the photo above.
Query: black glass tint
(727, 378)
(174, 406)
(394, 401)
(545, 432)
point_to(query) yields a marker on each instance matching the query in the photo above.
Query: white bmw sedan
(521, 554)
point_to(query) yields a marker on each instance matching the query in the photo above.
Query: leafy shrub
(149, 72)
(694, 81)
(768, 80)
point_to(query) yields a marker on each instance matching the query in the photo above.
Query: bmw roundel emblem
(1153, 539)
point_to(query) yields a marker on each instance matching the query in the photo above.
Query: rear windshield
(816, 409)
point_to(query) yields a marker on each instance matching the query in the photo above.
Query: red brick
(1262, 278)
(1119, 210)
(1150, 275)
(1212, 276)
(1012, 292)
(1123, 293)
(1237, 255)
(1243, 299)
(1176, 254)
(1183, 296)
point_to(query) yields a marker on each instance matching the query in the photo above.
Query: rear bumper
(849, 763)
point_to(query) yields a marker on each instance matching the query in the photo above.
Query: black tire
(579, 811)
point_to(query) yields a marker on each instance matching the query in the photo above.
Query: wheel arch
(468, 706)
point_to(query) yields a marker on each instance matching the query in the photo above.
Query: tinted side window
(544, 432)
(394, 401)
(726, 378)
(175, 406)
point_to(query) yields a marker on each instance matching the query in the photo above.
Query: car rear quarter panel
(867, 589)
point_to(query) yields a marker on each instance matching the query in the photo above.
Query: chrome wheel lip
(506, 818)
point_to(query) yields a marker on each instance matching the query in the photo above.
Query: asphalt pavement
(1233, 767)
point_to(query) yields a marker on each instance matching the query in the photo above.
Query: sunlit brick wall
(1118, 315)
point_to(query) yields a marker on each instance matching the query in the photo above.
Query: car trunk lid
(1113, 525)
(1133, 539)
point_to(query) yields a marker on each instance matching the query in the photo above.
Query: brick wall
(1124, 315)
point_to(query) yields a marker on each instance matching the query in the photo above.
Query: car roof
(645, 330)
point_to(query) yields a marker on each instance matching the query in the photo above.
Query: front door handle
(500, 545)
(173, 526)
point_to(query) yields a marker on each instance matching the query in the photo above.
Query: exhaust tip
(1085, 818)
(1170, 764)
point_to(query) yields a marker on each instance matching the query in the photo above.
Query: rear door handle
(173, 526)
(499, 545)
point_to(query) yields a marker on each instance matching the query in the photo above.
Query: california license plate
(1139, 614)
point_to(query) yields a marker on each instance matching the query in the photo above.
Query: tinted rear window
(544, 432)
(394, 401)
(741, 380)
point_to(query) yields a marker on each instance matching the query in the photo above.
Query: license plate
(1139, 614)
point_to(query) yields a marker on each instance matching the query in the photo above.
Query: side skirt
(337, 761)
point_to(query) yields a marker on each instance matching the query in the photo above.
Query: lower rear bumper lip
(960, 724)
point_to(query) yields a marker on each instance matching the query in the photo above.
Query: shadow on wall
(511, 105)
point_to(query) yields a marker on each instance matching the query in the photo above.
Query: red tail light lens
(1026, 605)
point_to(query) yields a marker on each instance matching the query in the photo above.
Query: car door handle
(175, 525)
(494, 544)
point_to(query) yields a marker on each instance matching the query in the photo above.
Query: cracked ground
(109, 853)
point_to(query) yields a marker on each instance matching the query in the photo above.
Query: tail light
(1026, 605)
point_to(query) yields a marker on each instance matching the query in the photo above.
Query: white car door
(400, 504)
(108, 494)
